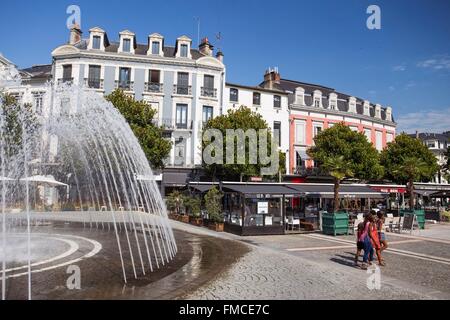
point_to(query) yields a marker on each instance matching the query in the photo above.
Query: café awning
(203, 187)
(345, 191)
(260, 188)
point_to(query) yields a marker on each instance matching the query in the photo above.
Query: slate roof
(39, 71)
(140, 49)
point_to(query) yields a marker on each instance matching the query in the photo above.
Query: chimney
(75, 34)
(205, 47)
(219, 56)
(417, 134)
(271, 77)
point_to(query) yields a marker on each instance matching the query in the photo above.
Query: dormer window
(98, 39)
(183, 47)
(155, 47)
(155, 44)
(96, 42)
(127, 42)
(317, 102)
(333, 105)
(184, 50)
(299, 96)
(126, 45)
(317, 97)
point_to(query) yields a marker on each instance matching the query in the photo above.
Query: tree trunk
(336, 195)
(411, 194)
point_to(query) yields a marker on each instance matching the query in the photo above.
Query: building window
(276, 101)
(184, 50)
(94, 77)
(67, 72)
(277, 129)
(379, 141)
(368, 134)
(183, 83)
(38, 102)
(333, 105)
(389, 137)
(256, 98)
(431, 144)
(300, 133)
(154, 81)
(124, 78)
(208, 86)
(126, 45)
(317, 102)
(181, 116)
(96, 42)
(207, 113)
(316, 130)
(180, 152)
(299, 161)
(234, 95)
(155, 47)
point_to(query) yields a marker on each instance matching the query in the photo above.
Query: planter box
(218, 227)
(184, 218)
(196, 221)
(420, 215)
(334, 224)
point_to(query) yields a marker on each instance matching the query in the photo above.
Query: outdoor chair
(292, 222)
(395, 225)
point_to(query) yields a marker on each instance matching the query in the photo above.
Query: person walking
(359, 241)
(381, 233)
(373, 234)
(365, 238)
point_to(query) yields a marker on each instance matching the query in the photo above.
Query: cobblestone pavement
(321, 270)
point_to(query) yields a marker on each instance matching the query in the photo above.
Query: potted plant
(175, 203)
(213, 205)
(194, 207)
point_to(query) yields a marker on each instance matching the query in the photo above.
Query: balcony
(154, 87)
(93, 83)
(184, 125)
(65, 80)
(182, 89)
(208, 92)
(124, 85)
(310, 171)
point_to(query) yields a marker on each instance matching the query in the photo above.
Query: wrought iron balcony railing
(182, 89)
(125, 85)
(153, 87)
(93, 83)
(208, 92)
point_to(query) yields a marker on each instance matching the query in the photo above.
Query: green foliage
(139, 115)
(407, 158)
(193, 205)
(175, 201)
(241, 118)
(17, 117)
(344, 146)
(213, 204)
(338, 167)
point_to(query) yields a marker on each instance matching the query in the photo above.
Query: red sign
(255, 179)
(387, 189)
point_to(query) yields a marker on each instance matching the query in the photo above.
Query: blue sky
(406, 64)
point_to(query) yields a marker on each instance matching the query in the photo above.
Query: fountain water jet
(82, 141)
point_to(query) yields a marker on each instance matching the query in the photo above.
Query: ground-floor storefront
(281, 208)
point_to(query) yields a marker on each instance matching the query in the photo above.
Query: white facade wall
(265, 109)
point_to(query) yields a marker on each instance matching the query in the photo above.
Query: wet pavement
(199, 259)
